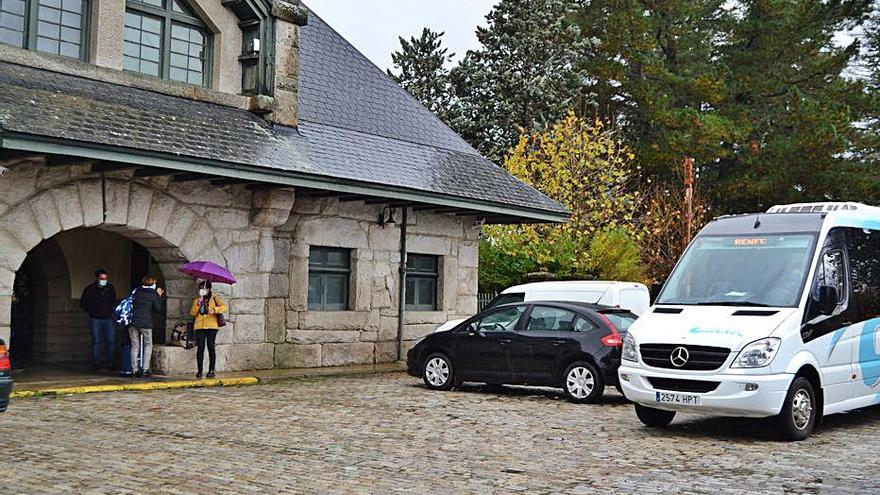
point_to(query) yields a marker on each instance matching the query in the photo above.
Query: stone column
(289, 16)
(108, 21)
(257, 311)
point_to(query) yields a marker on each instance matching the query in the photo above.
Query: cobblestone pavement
(388, 434)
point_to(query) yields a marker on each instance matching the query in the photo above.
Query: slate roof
(340, 87)
(50, 104)
(359, 122)
(356, 124)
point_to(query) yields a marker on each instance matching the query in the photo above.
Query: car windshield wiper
(732, 303)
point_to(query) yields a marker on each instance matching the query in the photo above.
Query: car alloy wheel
(801, 409)
(437, 371)
(580, 382)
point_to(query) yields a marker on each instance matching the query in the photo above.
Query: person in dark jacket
(99, 301)
(146, 301)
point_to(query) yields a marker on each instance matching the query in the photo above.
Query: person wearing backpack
(207, 309)
(147, 299)
(121, 322)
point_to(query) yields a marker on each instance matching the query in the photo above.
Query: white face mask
(203, 292)
(153, 286)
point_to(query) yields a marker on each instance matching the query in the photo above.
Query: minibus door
(827, 330)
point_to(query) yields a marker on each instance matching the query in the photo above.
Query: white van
(772, 314)
(627, 295)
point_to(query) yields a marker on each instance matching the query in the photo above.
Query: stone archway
(42, 281)
(169, 228)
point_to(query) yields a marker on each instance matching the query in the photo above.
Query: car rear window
(621, 319)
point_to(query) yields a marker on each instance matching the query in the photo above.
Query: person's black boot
(199, 375)
(210, 374)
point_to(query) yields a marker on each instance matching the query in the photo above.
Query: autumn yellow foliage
(586, 167)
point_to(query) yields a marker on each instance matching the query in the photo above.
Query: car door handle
(558, 342)
(504, 341)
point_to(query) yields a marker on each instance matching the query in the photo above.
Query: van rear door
(635, 299)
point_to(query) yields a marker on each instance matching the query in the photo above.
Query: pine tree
(656, 75)
(870, 65)
(421, 67)
(871, 60)
(755, 90)
(526, 74)
(798, 115)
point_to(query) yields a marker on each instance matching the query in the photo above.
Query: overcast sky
(373, 26)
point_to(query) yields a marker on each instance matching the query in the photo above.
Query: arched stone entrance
(169, 229)
(48, 325)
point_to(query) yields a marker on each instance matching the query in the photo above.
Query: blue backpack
(122, 313)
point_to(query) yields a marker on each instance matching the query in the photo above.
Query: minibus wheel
(655, 418)
(799, 412)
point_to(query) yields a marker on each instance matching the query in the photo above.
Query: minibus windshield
(741, 270)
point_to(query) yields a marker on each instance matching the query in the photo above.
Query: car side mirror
(474, 329)
(827, 298)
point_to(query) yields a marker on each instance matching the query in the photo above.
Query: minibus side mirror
(827, 299)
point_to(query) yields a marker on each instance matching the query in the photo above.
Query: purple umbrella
(208, 271)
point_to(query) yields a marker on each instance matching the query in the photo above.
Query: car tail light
(613, 339)
(5, 363)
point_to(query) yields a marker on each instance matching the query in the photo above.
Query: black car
(5, 377)
(574, 346)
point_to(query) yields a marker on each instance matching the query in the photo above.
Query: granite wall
(264, 238)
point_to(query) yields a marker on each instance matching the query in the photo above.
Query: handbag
(221, 318)
(183, 335)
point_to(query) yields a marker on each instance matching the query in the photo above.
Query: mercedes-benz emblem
(679, 357)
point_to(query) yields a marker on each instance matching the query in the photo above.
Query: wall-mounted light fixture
(387, 216)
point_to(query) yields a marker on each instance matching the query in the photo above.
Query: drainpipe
(401, 303)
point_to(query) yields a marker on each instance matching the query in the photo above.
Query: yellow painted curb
(92, 389)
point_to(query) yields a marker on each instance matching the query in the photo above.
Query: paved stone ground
(388, 434)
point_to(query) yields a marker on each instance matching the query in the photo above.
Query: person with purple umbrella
(208, 310)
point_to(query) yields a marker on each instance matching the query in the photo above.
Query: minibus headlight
(629, 351)
(757, 354)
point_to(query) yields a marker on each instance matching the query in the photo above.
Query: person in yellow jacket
(206, 309)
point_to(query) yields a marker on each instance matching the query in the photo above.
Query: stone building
(138, 135)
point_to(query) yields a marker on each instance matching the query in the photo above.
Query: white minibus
(765, 315)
